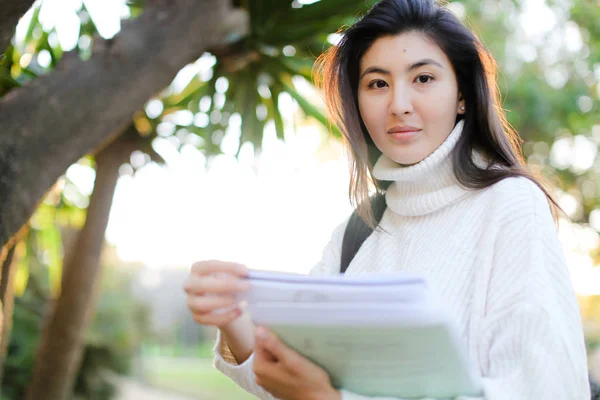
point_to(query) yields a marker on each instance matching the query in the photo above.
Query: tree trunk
(56, 119)
(10, 13)
(61, 346)
(7, 302)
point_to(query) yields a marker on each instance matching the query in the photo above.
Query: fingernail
(244, 285)
(240, 269)
(261, 333)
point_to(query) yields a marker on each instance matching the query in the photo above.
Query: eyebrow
(412, 67)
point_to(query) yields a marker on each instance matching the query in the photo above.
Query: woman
(413, 92)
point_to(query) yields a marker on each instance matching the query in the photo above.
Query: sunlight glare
(106, 15)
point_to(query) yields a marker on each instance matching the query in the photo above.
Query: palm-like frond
(259, 59)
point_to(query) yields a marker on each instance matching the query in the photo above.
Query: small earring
(462, 108)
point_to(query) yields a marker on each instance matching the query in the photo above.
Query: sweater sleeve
(530, 339)
(243, 374)
(346, 395)
(531, 343)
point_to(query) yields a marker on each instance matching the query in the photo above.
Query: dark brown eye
(424, 78)
(379, 84)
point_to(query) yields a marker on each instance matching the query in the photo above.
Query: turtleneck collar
(424, 187)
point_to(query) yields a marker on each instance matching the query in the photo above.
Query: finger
(273, 345)
(218, 319)
(210, 284)
(263, 354)
(264, 365)
(212, 266)
(206, 304)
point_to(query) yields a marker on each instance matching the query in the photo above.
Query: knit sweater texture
(493, 256)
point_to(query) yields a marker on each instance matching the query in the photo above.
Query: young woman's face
(408, 96)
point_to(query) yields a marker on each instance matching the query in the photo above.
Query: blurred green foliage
(549, 79)
(550, 84)
(119, 326)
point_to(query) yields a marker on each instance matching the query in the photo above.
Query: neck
(424, 187)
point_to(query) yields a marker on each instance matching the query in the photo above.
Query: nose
(401, 102)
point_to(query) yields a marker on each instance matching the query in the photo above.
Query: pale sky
(277, 213)
(277, 218)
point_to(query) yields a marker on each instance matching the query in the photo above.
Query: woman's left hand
(286, 374)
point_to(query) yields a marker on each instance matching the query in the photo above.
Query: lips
(403, 129)
(403, 133)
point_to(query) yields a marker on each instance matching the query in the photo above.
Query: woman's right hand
(211, 289)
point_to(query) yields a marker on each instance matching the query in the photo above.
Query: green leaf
(251, 126)
(291, 65)
(323, 17)
(29, 73)
(52, 244)
(43, 44)
(55, 51)
(35, 21)
(309, 109)
(274, 110)
(263, 14)
(195, 90)
(89, 27)
(325, 9)
(7, 82)
(192, 93)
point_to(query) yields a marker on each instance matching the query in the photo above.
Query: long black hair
(485, 130)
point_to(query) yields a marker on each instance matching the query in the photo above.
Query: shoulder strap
(357, 231)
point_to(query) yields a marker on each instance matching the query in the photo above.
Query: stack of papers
(376, 335)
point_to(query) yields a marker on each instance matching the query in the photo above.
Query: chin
(408, 164)
(407, 161)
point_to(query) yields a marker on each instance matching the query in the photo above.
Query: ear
(461, 104)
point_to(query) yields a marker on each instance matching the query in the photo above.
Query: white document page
(377, 335)
(275, 287)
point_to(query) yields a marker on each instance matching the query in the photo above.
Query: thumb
(262, 354)
(271, 344)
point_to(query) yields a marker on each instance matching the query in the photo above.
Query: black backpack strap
(357, 231)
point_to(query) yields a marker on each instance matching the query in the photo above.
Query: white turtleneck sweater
(493, 255)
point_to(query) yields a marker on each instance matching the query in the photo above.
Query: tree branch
(10, 13)
(56, 119)
(7, 298)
